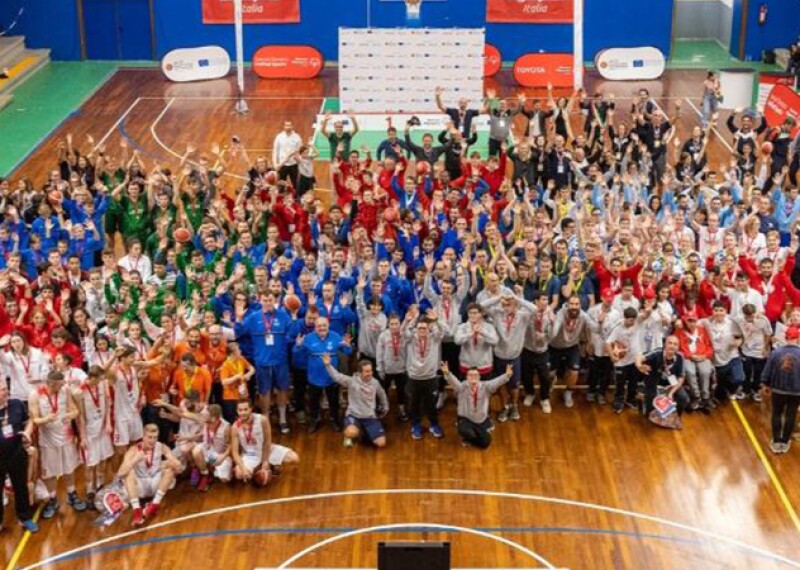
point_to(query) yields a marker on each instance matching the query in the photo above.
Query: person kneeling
(365, 395)
(473, 397)
(148, 470)
(664, 376)
(255, 457)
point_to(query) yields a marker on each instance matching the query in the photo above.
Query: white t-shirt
(755, 335)
(722, 337)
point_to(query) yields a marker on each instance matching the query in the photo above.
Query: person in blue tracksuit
(267, 329)
(298, 330)
(332, 307)
(324, 341)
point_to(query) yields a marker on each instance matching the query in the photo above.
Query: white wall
(704, 19)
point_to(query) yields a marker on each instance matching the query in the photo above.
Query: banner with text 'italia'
(529, 11)
(253, 11)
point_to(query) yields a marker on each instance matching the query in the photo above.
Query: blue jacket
(268, 350)
(339, 317)
(782, 370)
(299, 354)
(314, 348)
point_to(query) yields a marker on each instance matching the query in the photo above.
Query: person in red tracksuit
(777, 285)
(611, 277)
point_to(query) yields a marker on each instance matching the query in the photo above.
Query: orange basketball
(620, 350)
(390, 215)
(766, 148)
(182, 235)
(292, 303)
(272, 177)
(423, 167)
(261, 477)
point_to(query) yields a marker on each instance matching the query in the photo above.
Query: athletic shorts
(273, 377)
(500, 368)
(147, 487)
(98, 449)
(59, 461)
(127, 431)
(370, 428)
(564, 359)
(222, 471)
(277, 455)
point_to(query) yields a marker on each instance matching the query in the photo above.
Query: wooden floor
(581, 488)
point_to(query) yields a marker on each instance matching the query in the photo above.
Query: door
(117, 29)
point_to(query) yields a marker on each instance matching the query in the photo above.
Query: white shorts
(181, 456)
(59, 461)
(98, 449)
(148, 486)
(127, 431)
(277, 454)
(222, 470)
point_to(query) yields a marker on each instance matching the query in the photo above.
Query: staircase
(20, 62)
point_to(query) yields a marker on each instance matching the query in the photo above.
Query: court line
(457, 492)
(389, 527)
(776, 482)
(719, 135)
(160, 143)
(12, 563)
(116, 125)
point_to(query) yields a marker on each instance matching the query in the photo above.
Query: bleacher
(20, 63)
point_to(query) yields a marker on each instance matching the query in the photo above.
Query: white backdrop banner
(398, 69)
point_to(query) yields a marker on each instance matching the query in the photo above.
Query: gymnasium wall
(609, 23)
(781, 29)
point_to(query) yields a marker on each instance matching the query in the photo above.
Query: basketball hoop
(413, 9)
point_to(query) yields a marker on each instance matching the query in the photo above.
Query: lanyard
(268, 322)
(128, 379)
(26, 365)
(53, 402)
(396, 345)
(148, 461)
(95, 394)
(211, 434)
(475, 397)
(509, 320)
(248, 433)
(423, 347)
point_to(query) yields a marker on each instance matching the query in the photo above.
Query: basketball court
(581, 488)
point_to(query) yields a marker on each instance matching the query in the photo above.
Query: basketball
(423, 167)
(261, 477)
(292, 303)
(620, 350)
(390, 215)
(766, 148)
(272, 177)
(182, 235)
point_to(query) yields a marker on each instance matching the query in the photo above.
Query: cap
(793, 332)
(649, 293)
(608, 295)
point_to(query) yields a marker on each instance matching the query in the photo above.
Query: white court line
(387, 527)
(458, 492)
(160, 143)
(719, 135)
(116, 125)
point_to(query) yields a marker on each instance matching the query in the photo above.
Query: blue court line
(339, 530)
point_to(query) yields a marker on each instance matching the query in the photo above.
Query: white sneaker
(546, 408)
(568, 401)
(528, 402)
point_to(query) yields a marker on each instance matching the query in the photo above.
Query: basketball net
(413, 9)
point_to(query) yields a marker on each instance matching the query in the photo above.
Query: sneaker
(314, 427)
(756, 396)
(787, 446)
(591, 397)
(739, 394)
(775, 447)
(150, 511)
(436, 431)
(416, 431)
(528, 401)
(301, 417)
(694, 405)
(348, 442)
(546, 407)
(502, 417)
(204, 483)
(619, 406)
(138, 517)
(568, 401)
(194, 479)
(601, 399)
(489, 429)
(74, 501)
(30, 526)
(514, 415)
(284, 427)
(441, 400)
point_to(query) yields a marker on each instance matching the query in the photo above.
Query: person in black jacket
(427, 151)
(456, 147)
(781, 377)
(15, 436)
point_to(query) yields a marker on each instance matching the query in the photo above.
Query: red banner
(253, 11)
(782, 103)
(287, 62)
(530, 11)
(492, 61)
(539, 69)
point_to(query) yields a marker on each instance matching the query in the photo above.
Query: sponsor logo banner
(492, 61)
(287, 62)
(196, 64)
(625, 64)
(782, 104)
(530, 11)
(398, 69)
(253, 11)
(766, 81)
(539, 69)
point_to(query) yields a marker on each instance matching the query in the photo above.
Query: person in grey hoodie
(372, 322)
(510, 315)
(423, 353)
(477, 339)
(365, 395)
(391, 356)
(474, 425)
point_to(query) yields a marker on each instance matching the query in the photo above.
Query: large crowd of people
(588, 246)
